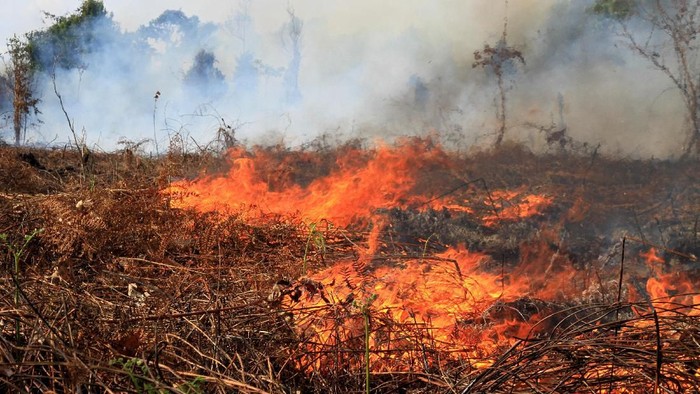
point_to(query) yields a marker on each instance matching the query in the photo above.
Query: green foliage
(204, 76)
(63, 45)
(316, 238)
(193, 387)
(21, 80)
(616, 9)
(203, 69)
(161, 27)
(69, 38)
(17, 251)
(136, 369)
(138, 372)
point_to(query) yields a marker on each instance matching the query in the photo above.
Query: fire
(669, 287)
(515, 205)
(354, 190)
(410, 310)
(652, 256)
(449, 301)
(445, 296)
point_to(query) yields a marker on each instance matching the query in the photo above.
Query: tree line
(663, 32)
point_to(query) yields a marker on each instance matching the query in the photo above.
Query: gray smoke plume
(282, 71)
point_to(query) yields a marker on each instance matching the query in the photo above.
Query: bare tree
(21, 71)
(293, 31)
(502, 61)
(665, 33)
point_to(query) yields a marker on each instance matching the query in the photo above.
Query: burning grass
(406, 268)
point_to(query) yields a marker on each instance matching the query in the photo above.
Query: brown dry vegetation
(119, 292)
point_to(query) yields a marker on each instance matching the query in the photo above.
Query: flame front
(412, 310)
(354, 190)
(442, 299)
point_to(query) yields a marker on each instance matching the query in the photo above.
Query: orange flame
(515, 205)
(440, 295)
(669, 287)
(354, 190)
(652, 256)
(448, 299)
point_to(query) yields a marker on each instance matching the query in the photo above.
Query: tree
(246, 76)
(171, 23)
(21, 70)
(5, 95)
(618, 9)
(665, 33)
(204, 76)
(65, 43)
(502, 61)
(293, 32)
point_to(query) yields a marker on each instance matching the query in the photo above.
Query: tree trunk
(692, 146)
(694, 143)
(18, 128)
(502, 112)
(17, 104)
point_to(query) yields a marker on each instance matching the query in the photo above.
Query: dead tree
(668, 39)
(502, 61)
(293, 39)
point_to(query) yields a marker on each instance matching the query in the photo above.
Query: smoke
(282, 71)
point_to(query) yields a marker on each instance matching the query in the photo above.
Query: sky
(340, 16)
(28, 14)
(362, 66)
(25, 15)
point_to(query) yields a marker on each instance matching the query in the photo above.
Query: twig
(177, 315)
(36, 310)
(617, 309)
(639, 227)
(463, 185)
(79, 145)
(659, 354)
(665, 249)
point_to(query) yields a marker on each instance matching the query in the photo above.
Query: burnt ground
(106, 287)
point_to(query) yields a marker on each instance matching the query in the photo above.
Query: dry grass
(121, 293)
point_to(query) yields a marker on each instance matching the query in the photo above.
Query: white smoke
(379, 69)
